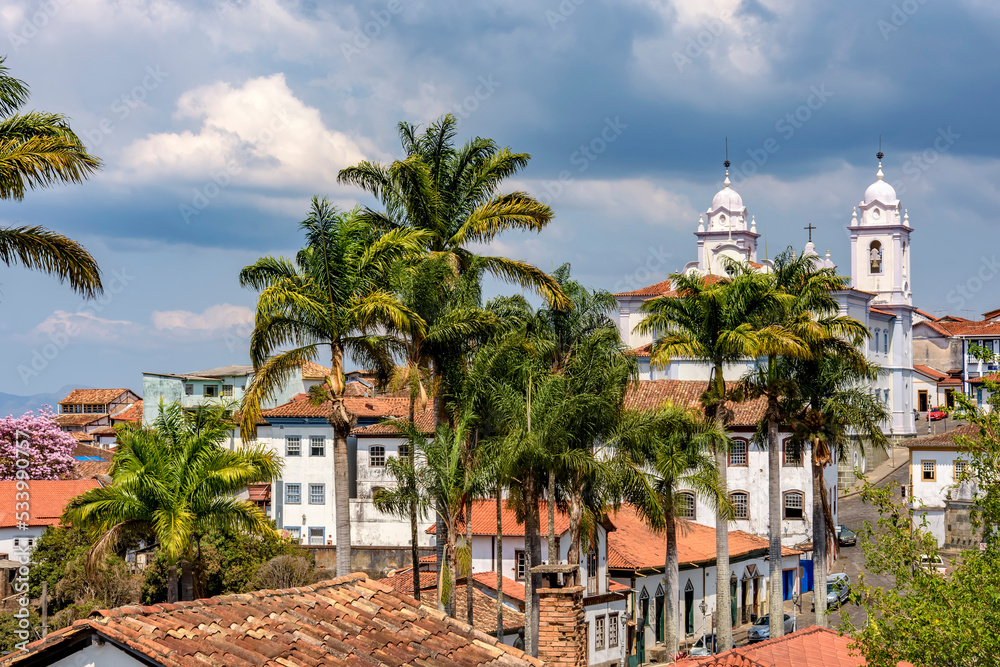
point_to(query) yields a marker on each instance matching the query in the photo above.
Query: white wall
(928, 498)
(8, 535)
(102, 655)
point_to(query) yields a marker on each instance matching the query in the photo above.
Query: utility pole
(45, 608)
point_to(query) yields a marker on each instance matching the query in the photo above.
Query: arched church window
(875, 257)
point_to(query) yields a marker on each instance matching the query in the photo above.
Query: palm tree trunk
(453, 568)
(551, 492)
(532, 557)
(499, 565)
(671, 587)
(341, 501)
(468, 545)
(172, 583)
(575, 520)
(724, 621)
(775, 604)
(819, 539)
(414, 552)
(187, 580)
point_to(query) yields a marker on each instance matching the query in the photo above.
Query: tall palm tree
(831, 407)
(177, 482)
(811, 315)
(38, 149)
(721, 321)
(664, 452)
(336, 296)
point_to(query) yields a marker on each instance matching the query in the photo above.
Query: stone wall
(376, 562)
(959, 531)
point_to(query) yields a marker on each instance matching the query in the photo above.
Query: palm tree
(665, 452)
(721, 321)
(810, 315)
(177, 482)
(829, 409)
(38, 149)
(335, 295)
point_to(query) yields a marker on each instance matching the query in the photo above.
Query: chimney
(562, 632)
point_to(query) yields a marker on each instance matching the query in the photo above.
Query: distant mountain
(12, 404)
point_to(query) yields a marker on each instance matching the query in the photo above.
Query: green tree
(722, 321)
(336, 295)
(177, 482)
(829, 411)
(38, 149)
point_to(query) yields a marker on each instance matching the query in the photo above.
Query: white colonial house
(638, 560)
(938, 496)
(24, 514)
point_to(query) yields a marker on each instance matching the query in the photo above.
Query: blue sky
(217, 122)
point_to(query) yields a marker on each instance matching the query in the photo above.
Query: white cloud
(214, 318)
(83, 326)
(257, 134)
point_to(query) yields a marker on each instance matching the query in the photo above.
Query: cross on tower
(810, 228)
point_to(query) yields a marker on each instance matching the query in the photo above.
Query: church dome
(727, 197)
(880, 190)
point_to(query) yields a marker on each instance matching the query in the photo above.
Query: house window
(599, 633)
(741, 504)
(295, 534)
(685, 506)
(738, 453)
(211, 390)
(961, 466)
(792, 454)
(885, 343)
(317, 494)
(376, 456)
(519, 565)
(27, 545)
(927, 472)
(93, 409)
(404, 451)
(612, 630)
(316, 536)
(293, 494)
(293, 445)
(189, 389)
(227, 391)
(317, 445)
(794, 504)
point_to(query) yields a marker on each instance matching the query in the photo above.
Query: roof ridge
(165, 607)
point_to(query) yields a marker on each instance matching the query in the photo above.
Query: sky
(218, 121)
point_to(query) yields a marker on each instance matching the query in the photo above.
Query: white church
(879, 295)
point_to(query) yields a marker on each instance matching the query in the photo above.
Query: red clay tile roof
(934, 326)
(348, 621)
(92, 396)
(926, 314)
(962, 327)
(615, 587)
(74, 419)
(48, 499)
(259, 492)
(484, 520)
(633, 545)
(379, 406)
(643, 351)
(103, 430)
(424, 421)
(932, 373)
(663, 288)
(992, 377)
(313, 371)
(356, 389)
(945, 438)
(651, 394)
(91, 469)
(484, 610)
(132, 413)
(80, 436)
(512, 589)
(403, 581)
(810, 647)
(989, 315)
(881, 312)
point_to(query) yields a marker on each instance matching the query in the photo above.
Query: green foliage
(56, 547)
(9, 627)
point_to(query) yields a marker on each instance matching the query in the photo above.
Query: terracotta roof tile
(48, 499)
(643, 351)
(484, 612)
(992, 377)
(346, 621)
(633, 545)
(379, 406)
(932, 373)
(484, 520)
(132, 413)
(92, 396)
(80, 436)
(651, 394)
(103, 430)
(259, 492)
(945, 438)
(512, 589)
(924, 313)
(424, 421)
(663, 288)
(881, 312)
(810, 647)
(74, 419)
(313, 371)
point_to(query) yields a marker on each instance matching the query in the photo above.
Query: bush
(286, 572)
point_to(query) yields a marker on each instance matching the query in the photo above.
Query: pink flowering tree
(45, 451)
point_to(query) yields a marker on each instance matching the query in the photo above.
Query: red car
(935, 414)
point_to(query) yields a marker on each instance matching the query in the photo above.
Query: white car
(932, 563)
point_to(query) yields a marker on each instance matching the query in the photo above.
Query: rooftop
(93, 396)
(945, 438)
(48, 499)
(378, 406)
(484, 520)
(352, 620)
(651, 394)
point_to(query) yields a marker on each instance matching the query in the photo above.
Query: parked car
(935, 414)
(846, 537)
(838, 589)
(761, 630)
(706, 646)
(932, 563)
